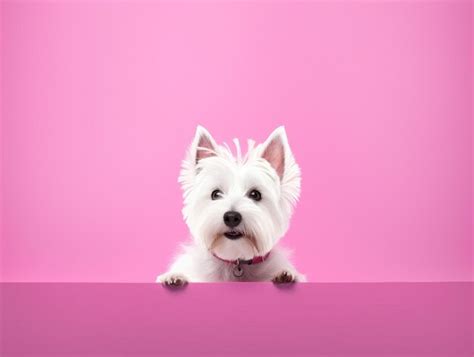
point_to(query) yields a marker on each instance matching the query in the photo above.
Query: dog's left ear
(275, 150)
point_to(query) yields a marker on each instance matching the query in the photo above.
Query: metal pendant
(237, 270)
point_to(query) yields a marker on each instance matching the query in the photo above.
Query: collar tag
(237, 270)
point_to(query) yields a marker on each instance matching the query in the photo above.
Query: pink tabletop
(239, 319)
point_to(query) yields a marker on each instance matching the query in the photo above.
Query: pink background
(100, 100)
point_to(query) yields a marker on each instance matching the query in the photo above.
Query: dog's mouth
(233, 244)
(233, 234)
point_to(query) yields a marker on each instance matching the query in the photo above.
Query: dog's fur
(269, 168)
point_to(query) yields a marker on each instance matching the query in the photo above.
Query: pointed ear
(203, 145)
(275, 150)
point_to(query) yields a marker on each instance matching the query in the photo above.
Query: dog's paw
(284, 277)
(172, 280)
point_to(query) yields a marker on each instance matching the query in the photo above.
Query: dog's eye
(255, 195)
(216, 194)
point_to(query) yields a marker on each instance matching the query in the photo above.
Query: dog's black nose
(232, 219)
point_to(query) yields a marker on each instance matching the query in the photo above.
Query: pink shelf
(240, 319)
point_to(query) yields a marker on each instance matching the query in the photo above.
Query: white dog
(237, 209)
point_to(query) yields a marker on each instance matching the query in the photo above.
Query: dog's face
(239, 206)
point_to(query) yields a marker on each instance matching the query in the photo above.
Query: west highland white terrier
(237, 208)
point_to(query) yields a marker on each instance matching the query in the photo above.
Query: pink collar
(254, 260)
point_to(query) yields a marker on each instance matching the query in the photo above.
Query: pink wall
(100, 101)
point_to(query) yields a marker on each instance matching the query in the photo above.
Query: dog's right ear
(203, 145)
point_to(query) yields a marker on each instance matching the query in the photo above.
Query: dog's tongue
(234, 249)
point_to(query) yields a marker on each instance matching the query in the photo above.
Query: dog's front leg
(179, 273)
(285, 277)
(280, 269)
(172, 279)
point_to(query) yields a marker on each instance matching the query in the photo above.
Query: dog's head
(239, 206)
